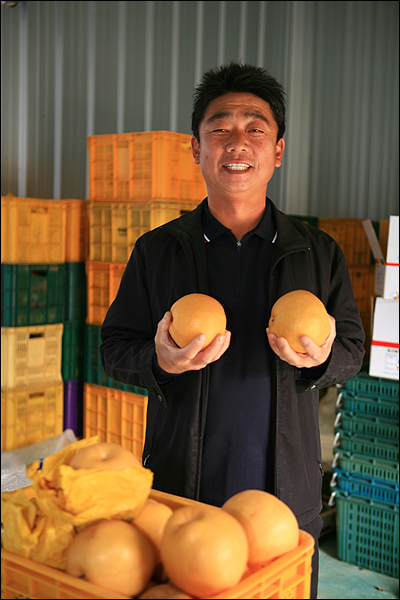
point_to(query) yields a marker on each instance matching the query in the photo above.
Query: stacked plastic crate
(137, 181)
(365, 482)
(32, 314)
(43, 310)
(351, 237)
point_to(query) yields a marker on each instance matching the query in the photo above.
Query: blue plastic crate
(388, 408)
(365, 445)
(366, 487)
(367, 533)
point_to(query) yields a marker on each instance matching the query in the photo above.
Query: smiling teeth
(237, 167)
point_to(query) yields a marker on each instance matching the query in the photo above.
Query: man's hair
(238, 78)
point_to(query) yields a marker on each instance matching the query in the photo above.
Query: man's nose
(237, 142)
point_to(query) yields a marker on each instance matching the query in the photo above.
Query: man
(243, 413)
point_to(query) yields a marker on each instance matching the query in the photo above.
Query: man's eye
(217, 130)
(256, 130)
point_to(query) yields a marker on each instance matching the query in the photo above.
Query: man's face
(238, 151)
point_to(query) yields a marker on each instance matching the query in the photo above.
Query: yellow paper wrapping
(83, 496)
(29, 533)
(65, 500)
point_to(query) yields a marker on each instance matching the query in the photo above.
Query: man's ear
(195, 149)
(280, 146)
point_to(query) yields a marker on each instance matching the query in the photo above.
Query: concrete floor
(339, 579)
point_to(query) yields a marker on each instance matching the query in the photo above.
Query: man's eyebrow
(257, 115)
(218, 115)
(248, 115)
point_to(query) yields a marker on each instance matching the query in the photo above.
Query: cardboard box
(386, 272)
(384, 357)
(391, 285)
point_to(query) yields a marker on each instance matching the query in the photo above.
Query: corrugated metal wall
(72, 69)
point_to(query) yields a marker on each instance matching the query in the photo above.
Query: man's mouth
(237, 167)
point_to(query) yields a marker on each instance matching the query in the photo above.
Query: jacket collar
(265, 228)
(289, 231)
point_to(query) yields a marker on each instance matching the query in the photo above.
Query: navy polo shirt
(235, 451)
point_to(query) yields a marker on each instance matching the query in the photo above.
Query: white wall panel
(72, 69)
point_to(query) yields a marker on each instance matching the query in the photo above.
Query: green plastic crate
(356, 464)
(75, 291)
(309, 220)
(367, 533)
(94, 372)
(73, 348)
(32, 294)
(364, 445)
(375, 387)
(387, 429)
(387, 408)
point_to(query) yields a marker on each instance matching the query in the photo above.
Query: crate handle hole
(38, 273)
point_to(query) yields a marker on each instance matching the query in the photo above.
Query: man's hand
(191, 358)
(313, 355)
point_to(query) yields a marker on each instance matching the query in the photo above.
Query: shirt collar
(266, 227)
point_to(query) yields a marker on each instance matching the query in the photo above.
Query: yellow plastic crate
(288, 576)
(33, 230)
(114, 227)
(115, 416)
(144, 166)
(76, 230)
(31, 414)
(103, 281)
(31, 355)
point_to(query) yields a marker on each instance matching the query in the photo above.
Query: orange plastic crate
(115, 416)
(103, 281)
(288, 576)
(31, 355)
(144, 166)
(31, 414)
(363, 282)
(114, 227)
(33, 230)
(351, 237)
(76, 230)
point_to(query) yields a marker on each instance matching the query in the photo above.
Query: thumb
(166, 320)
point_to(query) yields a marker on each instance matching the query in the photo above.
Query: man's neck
(240, 216)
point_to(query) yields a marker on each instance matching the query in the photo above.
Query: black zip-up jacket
(169, 262)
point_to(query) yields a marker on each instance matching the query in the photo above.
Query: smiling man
(239, 147)
(243, 413)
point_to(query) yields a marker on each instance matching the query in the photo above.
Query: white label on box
(384, 358)
(391, 364)
(384, 362)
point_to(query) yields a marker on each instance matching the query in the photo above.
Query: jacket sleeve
(348, 351)
(127, 333)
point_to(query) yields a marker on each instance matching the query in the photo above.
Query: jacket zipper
(276, 363)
